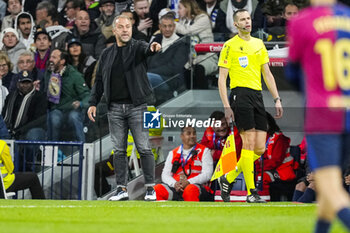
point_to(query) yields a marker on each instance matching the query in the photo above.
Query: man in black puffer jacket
(89, 34)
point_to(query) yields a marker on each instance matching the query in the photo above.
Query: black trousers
(24, 180)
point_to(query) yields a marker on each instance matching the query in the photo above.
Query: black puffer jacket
(135, 67)
(93, 42)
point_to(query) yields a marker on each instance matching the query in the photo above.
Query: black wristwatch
(277, 98)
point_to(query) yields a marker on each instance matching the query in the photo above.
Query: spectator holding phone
(144, 22)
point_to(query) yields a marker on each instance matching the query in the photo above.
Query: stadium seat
(283, 190)
(240, 183)
(295, 152)
(3, 193)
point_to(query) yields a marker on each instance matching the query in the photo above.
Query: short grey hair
(26, 53)
(167, 16)
(119, 17)
(48, 6)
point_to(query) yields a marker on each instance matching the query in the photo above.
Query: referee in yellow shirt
(244, 58)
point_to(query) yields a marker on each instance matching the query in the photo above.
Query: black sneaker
(150, 194)
(254, 197)
(121, 195)
(225, 188)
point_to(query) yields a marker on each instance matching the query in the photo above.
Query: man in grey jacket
(105, 20)
(12, 46)
(121, 77)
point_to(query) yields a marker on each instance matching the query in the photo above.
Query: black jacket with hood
(93, 41)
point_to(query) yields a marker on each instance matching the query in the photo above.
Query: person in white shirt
(25, 26)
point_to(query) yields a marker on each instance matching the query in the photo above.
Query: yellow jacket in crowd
(6, 164)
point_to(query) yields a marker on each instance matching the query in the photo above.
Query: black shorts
(248, 108)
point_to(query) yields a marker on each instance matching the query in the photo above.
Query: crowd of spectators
(55, 39)
(50, 49)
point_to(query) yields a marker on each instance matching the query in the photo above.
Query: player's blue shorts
(327, 150)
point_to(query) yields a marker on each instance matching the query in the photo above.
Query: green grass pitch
(30, 216)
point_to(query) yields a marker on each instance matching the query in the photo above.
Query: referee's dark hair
(272, 126)
(238, 11)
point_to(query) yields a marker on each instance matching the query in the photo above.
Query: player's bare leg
(331, 196)
(330, 190)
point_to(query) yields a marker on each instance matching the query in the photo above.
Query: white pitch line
(218, 206)
(161, 206)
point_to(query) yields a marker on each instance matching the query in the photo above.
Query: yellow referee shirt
(244, 59)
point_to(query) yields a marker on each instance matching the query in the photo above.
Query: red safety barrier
(216, 48)
(277, 61)
(204, 48)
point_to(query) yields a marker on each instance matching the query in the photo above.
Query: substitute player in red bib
(319, 41)
(245, 58)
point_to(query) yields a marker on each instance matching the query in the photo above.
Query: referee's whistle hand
(279, 110)
(229, 115)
